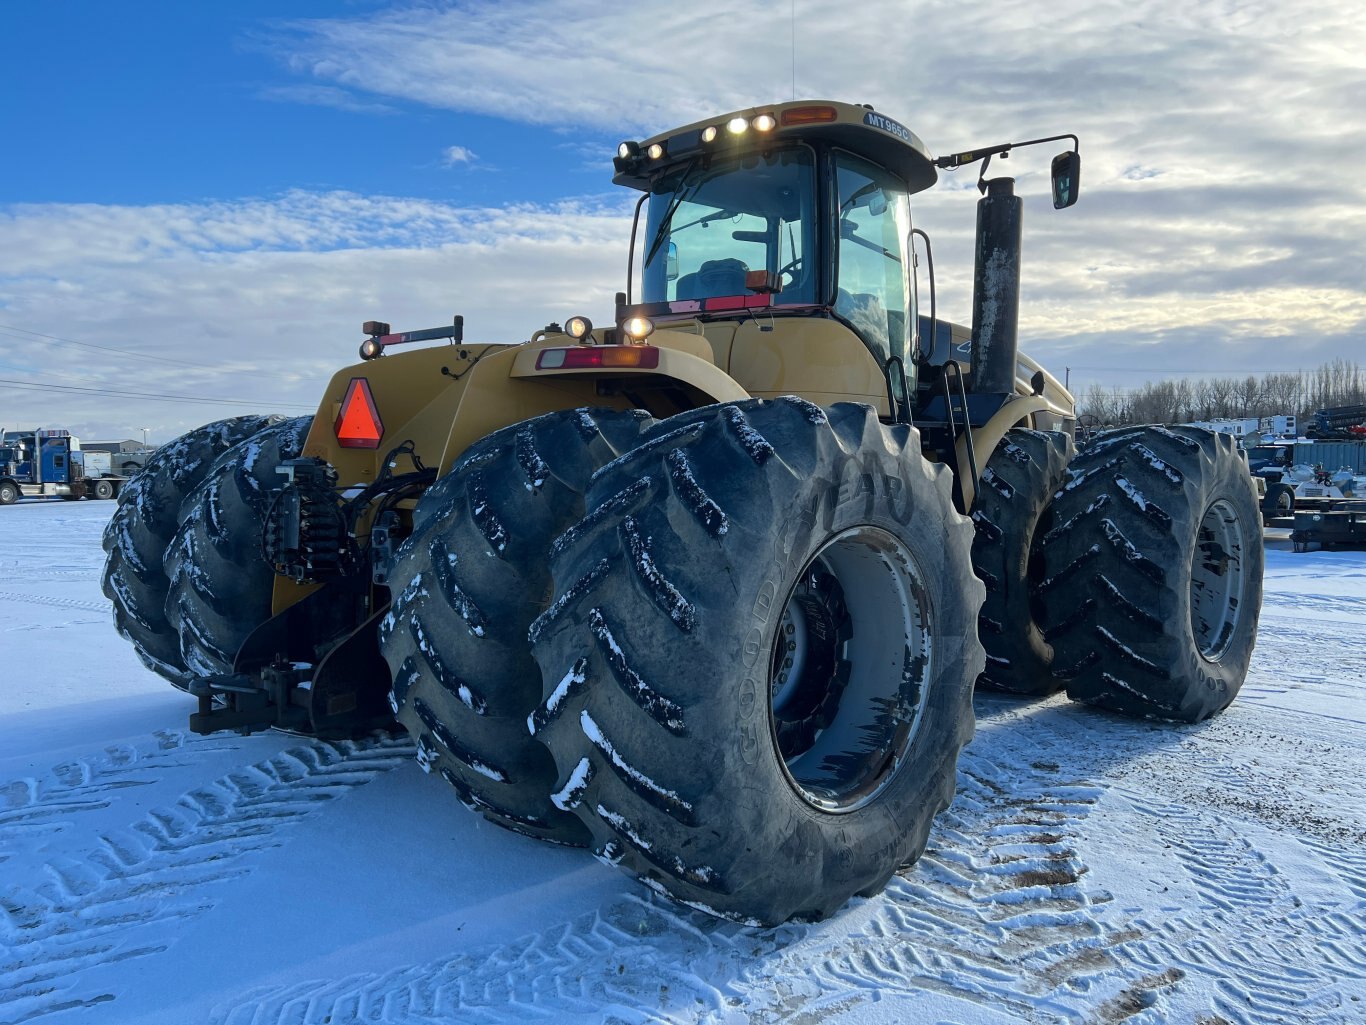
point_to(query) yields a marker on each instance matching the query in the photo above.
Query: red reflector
(358, 425)
(809, 115)
(584, 357)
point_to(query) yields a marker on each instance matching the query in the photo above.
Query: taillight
(586, 357)
(358, 424)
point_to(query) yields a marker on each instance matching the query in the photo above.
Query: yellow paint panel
(815, 357)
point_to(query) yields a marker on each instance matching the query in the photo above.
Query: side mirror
(671, 262)
(1066, 179)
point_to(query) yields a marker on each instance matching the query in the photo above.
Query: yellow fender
(1030, 411)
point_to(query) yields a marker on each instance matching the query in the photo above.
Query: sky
(201, 203)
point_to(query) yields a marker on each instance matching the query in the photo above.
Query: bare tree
(1280, 394)
(1339, 383)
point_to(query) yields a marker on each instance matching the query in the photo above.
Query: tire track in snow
(1345, 607)
(87, 913)
(40, 806)
(1349, 864)
(996, 912)
(1244, 942)
(61, 603)
(1261, 977)
(21, 570)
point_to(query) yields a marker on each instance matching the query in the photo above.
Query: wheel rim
(1216, 581)
(850, 669)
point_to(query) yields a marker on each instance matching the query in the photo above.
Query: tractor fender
(1028, 411)
(508, 388)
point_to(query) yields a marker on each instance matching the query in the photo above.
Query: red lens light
(587, 357)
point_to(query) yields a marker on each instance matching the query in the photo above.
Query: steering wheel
(791, 267)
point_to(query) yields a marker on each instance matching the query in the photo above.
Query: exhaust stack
(996, 289)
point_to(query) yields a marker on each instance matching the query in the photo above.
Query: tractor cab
(796, 211)
(785, 232)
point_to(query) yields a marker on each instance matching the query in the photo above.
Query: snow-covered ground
(1092, 869)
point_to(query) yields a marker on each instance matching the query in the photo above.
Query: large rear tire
(759, 664)
(468, 582)
(141, 529)
(1012, 501)
(1153, 573)
(219, 584)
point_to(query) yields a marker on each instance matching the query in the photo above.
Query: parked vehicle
(48, 463)
(1339, 525)
(102, 480)
(707, 588)
(1339, 422)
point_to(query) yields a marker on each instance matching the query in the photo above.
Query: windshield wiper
(847, 232)
(684, 190)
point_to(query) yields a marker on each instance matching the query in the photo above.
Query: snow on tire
(1012, 500)
(467, 583)
(1153, 573)
(219, 586)
(141, 529)
(759, 664)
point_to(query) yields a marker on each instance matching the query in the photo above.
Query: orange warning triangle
(358, 425)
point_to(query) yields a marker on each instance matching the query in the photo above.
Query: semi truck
(48, 463)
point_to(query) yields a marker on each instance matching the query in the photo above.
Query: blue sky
(156, 102)
(225, 191)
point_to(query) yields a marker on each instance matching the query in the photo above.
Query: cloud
(1212, 134)
(324, 96)
(1220, 226)
(271, 294)
(453, 155)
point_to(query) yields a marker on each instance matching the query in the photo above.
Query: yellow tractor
(706, 588)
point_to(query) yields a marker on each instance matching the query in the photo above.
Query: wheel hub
(1217, 581)
(808, 672)
(851, 665)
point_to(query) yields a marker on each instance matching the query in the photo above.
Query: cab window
(708, 227)
(874, 216)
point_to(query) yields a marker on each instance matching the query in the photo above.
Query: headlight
(578, 328)
(371, 348)
(736, 125)
(656, 151)
(638, 328)
(709, 133)
(765, 123)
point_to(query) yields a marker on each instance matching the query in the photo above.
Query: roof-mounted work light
(579, 328)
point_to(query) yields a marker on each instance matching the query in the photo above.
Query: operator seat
(713, 278)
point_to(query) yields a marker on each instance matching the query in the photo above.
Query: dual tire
(1152, 573)
(1011, 511)
(468, 582)
(759, 664)
(183, 568)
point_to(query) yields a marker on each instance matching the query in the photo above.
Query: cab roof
(859, 129)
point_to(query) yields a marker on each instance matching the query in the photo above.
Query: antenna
(794, 49)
